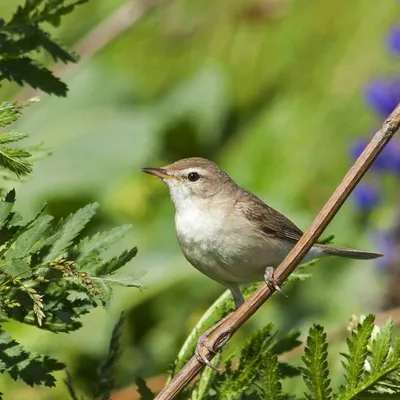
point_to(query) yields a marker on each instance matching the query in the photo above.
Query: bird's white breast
(199, 232)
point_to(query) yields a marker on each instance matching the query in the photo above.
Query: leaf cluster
(23, 35)
(371, 367)
(50, 277)
(13, 160)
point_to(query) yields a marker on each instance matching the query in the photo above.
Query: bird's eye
(193, 176)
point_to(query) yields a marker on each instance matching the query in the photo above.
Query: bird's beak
(158, 172)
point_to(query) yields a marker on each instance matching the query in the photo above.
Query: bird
(227, 232)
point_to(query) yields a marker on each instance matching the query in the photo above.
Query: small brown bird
(228, 233)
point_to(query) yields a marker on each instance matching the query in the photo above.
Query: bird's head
(192, 181)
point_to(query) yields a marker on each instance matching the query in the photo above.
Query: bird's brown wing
(269, 221)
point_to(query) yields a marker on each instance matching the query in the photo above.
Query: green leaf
(288, 342)
(130, 280)
(16, 267)
(15, 160)
(358, 350)
(41, 39)
(32, 368)
(70, 229)
(99, 242)
(250, 357)
(288, 371)
(27, 240)
(144, 392)
(315, 359)
(6, 206)
(381, 346)
(23, 70)
(116, 263)
(16, 231)
(8, 137)
(269, 378)
(8, 114)
(375, 381)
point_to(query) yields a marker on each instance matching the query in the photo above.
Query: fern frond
(358, 350)
(69, 229)
(9, 113)
(115, 263)
(381, 368)
(269, 383)
(99, 242)
(22, 35)
(315, 359)
(250, 357)
(15, 160)
(11, 136)
(29, 238)
(380, 347)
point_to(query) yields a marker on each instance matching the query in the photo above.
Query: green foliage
(13, 159)
(47, 277)
(373, 362)
(372, 367)
(32, 368)
(358, 351)
(23, 35)
(258, 371)
(315, 359)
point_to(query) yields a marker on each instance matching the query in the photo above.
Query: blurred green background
(269, 89)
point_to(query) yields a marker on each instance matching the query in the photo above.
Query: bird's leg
(203, 342)
(270, 280)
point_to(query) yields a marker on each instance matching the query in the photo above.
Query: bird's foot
(213, 345)
(271, 282)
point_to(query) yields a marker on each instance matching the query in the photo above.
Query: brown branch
(102, 34)
(222, 334)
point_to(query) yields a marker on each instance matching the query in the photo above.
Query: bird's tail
(347, 253)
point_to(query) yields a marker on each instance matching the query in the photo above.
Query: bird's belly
(239, 255)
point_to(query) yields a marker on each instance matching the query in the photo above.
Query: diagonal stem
(342, 192)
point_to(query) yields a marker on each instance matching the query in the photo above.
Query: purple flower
(387, 161)
(383, 95)
(385, 243)
(393, 41)
(366, 196)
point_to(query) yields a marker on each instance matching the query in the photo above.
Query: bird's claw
(271, 282)
(201, 357)
(215, 345)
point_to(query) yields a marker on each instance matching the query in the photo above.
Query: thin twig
(240, 316)
(102, 34)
